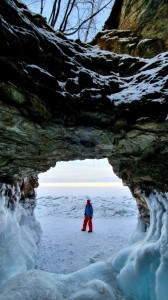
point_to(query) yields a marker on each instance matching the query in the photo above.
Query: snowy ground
(135, 272)
(64, 248)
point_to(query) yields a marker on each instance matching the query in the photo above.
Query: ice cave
(63, 100)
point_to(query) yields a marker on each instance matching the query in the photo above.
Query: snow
(78, 265)
(32, 66)
(64, 248)
(147, 84)
(143, 84)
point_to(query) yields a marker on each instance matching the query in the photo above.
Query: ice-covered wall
(19, 232)
(143, 267)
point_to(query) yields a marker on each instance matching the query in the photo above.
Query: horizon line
(80, 184)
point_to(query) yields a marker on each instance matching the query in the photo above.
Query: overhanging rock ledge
(62, 100)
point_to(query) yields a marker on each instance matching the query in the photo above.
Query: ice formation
(138, 272)
(19, 234)
(143, 267)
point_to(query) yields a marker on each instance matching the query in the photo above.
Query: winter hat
(88, 201)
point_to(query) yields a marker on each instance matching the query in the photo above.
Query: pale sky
(85, 170)
(100, 19)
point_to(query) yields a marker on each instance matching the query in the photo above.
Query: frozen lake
(64, 248)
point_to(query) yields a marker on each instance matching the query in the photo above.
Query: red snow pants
(88, 220)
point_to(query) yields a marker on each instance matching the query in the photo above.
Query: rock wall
(147, 18)
(62, 100)
(136, 27)
(127, 42)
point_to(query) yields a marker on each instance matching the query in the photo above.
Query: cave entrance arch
(60, 209)
(84, 175)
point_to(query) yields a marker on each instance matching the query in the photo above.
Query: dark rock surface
(62, 100)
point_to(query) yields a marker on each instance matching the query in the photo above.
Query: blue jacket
(89, 210)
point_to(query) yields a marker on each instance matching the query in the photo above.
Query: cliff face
(141, 28)
(147, 18)
(61, 100)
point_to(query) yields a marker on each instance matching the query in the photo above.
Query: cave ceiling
(63, 100)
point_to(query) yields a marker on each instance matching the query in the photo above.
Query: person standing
(88, 216)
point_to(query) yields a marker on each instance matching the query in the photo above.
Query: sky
(100, 19)
(88, 170)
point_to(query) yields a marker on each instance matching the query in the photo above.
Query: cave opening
(61, 200)
(85, 175)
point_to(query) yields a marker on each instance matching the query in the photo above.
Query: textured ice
(143, 267)
(138, 272)
(19, 236)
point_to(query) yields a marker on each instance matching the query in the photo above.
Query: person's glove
(91, 217)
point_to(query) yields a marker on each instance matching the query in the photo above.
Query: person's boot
(90, 231)
(83, 229)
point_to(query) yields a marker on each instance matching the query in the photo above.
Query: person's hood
(88, 202)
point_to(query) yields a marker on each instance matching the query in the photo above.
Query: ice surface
(137, 272)
(92, 283)
(64, 248)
